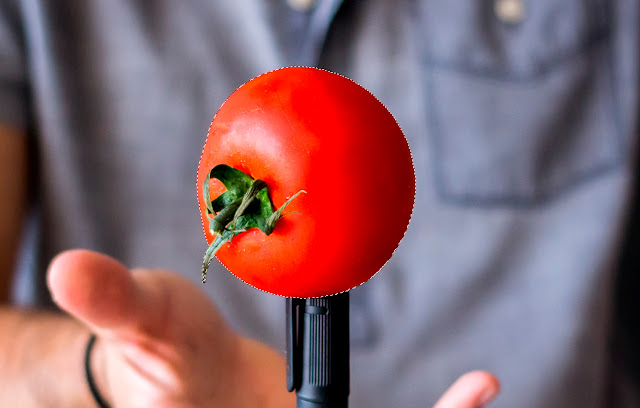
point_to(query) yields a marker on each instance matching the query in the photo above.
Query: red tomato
(309, 129)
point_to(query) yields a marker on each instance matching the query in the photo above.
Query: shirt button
(509, 11)
(302, 5)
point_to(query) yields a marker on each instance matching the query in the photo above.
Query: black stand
(318, 351)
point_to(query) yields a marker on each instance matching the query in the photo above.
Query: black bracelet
(89, 376)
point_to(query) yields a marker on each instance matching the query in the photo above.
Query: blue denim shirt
(521, 125)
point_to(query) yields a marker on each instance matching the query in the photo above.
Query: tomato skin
(308, 129)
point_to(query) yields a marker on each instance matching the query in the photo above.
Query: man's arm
(34, 347)
(13, 190)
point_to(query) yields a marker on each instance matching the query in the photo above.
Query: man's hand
(161, 341)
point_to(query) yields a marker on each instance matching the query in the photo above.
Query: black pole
(318, 351)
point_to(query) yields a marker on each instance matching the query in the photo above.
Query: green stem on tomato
(246, 204)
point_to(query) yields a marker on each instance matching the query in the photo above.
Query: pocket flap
(471, 36)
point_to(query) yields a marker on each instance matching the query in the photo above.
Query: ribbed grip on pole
(324, 351)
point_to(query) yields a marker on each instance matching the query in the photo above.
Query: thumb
(102, 293)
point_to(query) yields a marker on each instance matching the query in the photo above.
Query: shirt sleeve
(13, 67)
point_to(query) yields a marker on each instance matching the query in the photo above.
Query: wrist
(42, 356)
(60, 365)
(95, 384)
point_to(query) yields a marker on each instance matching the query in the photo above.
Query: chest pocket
(520, 98)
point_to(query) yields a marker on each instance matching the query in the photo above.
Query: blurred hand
(161, 341)
(473, 390)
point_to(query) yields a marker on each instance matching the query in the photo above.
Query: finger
(473, 390)
(101, 292)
